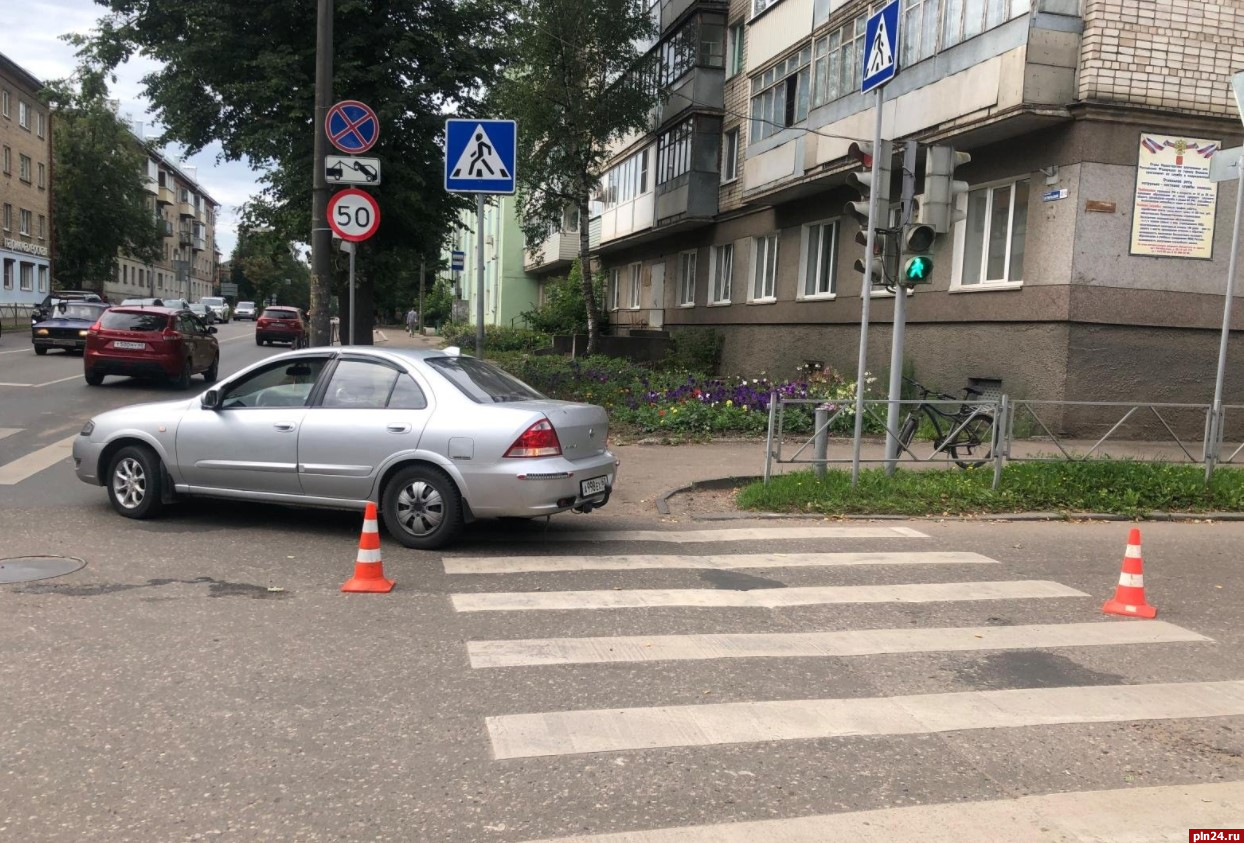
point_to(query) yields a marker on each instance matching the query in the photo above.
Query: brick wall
(1162, 53)
(34, 142)
(737, 105)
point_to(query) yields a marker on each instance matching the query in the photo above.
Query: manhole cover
(30, 568)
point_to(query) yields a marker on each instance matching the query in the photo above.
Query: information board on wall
(1173, 214)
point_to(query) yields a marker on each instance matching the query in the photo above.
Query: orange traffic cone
(1129, 597)
(368, 568)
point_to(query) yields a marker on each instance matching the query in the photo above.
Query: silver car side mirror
(210, 399)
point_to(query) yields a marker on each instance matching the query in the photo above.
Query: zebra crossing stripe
(1142, 813)
(734, 535)
(856, 642)
(768, 598)
(531, 564)
(616, 730)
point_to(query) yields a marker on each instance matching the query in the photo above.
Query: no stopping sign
(353, 215)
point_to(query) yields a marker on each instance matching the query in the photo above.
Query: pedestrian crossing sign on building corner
(480, 155)
(880, 47)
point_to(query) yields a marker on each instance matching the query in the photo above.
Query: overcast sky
(31, 38)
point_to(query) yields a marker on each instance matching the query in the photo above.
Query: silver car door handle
(399, 428)
(284, 426)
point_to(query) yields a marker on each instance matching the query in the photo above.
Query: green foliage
(262, 264)
(438, 303)
(564, 310)
(99, 203)
(1113, 486)
(696, 349)
(497, 338)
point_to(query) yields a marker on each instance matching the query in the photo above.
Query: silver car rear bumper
(529, 488)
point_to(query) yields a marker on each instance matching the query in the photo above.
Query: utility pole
(321, 235)
(422, 270)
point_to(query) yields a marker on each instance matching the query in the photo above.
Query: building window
(722, 272)
(23, 114)
(626, 181)
(43, 279)
(686, 279)
(964, 19)
(39, 123)
(24, 219)
(919, 31)
(839, 57)
(7, 159)
(674, 152)
(995, 234)
(27, 276)
(759, 6)
(635, 286)
(8, 216)
(697, 42)
(615, 288)
(8, 273)
(734, 45)
(730, 156)
(820, 260)
(43, 227)
(43, 175)
(23, 168)
(764, 267)
(4, 109)
(782, 98)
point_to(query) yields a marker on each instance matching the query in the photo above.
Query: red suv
(151, 342)
(281, 324)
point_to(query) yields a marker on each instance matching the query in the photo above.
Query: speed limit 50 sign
(353, 215)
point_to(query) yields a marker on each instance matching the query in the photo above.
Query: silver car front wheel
(422, 507)
(135, 482)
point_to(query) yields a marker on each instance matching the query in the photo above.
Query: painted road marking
(59, 380)
(1141, 813)
(615, 730)
(19, 469)
(856, 642)
(6, 383)
(6, 432)
(528, 564)
(769, 598)
(733, 535)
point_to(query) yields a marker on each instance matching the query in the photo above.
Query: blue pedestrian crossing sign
(479, 155)
(880, 47)
(457, 260)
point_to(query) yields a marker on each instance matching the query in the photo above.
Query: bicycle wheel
(907, 432)
(973, 445)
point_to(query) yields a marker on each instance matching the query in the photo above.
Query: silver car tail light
(539, 440)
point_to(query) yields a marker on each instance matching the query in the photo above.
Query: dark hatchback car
(281, 324)
(67, 326)
(151, 342)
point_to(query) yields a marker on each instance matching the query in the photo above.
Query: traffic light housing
(918, 240)
(938, 203)
(862, 180)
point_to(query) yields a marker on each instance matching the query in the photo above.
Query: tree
(577, 82)
(243, 73)
(265, 265)
(99, 202)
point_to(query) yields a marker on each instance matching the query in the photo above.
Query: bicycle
(968, 436)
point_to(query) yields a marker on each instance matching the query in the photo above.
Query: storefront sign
(23, 246)
(1173, 213)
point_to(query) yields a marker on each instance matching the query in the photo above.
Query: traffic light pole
(321, 235)
(1216, 420)
(479, 276)
(894, 409)
(866, 294)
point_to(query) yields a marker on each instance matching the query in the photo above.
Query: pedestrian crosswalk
(735, 632)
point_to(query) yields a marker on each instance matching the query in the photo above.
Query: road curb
(712, 484)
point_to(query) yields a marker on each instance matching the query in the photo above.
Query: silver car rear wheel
(422, 508)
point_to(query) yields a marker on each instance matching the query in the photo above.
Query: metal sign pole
(894, 409)
(1216, 430)
(422, 271)
(866, 293)
(479, 276)
(353, 315)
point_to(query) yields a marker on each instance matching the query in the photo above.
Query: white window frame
(24, 168)
(734, 49)
(43, 279)
(6, 160)
(730, 156)
(762, 289)
(43, 176)
(721, 282)
(43, 227)
(10, 265)
(805, 265)
(23, 114)
(615, 288)
(26, 277)
(4, 104)
(635, 297)
(957, 283)
(686, 277)
(6, 222)
(24, 221)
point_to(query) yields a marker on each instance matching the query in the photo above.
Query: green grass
(1121, 487)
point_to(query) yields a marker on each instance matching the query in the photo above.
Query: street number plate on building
(593, 486)
(137, 346)
(353, 215)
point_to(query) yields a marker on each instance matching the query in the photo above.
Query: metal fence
(16, 315)
(1019, 431)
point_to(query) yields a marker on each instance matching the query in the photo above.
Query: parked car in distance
(218, 304)
(67, 326)
(151, 342)
(245, 310)
(204, 312)
(282, 324)
(437, 439)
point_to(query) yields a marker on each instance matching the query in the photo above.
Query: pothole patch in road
(737, 581)
(31, 568)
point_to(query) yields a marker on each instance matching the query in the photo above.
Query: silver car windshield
(482, 382)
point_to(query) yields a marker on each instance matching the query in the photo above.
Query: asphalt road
(203, 678)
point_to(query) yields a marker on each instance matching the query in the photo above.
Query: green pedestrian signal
(918, 270)
(918, 243)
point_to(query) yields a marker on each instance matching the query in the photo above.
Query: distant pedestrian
(412, 321)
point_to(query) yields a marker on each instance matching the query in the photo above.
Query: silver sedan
(436, 439)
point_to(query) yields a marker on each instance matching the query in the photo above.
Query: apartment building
(25, 187)
(509, 289)
(187, 217)
(1092, 258)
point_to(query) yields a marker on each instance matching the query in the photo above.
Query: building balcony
(701, 88)
(151, 186)
(184, 238)
(199, 244)
(185, 209)
(164, 195)
(166, 227)
(555, 254)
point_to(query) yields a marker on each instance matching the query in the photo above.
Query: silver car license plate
(137, 346)
(592, 486)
